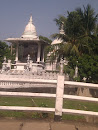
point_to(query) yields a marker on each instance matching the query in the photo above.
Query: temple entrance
(25, 49)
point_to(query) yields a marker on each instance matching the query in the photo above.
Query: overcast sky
(14, 15)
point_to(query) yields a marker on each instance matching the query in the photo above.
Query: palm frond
(74, 51)
(60, 20)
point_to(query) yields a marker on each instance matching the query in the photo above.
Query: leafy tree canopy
(45, 39)
(80, 42)
(4, 51)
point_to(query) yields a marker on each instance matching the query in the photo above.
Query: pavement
(12, 124)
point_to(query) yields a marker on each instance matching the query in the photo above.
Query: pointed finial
(62, 30)
(31, 19)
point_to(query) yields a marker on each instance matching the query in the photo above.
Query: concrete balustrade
(23, 74)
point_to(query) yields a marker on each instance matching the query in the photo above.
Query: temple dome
(58, 40)
(30, 31)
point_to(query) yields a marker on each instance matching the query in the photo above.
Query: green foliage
(4, 51)
(69, 70)
(80, 43)
(88, 68)
(96, 30)
(89, 19)
(94, 45)
(45, 39)
(60, 20)
(73, 26)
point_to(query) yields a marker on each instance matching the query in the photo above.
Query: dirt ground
(13, 124)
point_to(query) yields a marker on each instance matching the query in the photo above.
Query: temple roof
(56, 41)
(25, 40)
(29, 35)
(30, 31)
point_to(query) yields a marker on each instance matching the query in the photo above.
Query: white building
(54, 66)
(28, 47)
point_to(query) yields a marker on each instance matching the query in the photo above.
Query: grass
(44, 102)
(80, 105)
(13, 101)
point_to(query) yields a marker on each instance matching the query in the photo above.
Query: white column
(43, 55)
(16, 52)
(11, 48)
(59, 97)
(39, 52)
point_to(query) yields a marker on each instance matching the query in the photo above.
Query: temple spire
(30, 30)
(62, 30)
(31, 21)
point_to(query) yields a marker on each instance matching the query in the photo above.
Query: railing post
(59, 95)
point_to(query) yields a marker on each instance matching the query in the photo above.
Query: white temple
(29, 57)
(58, 40)
(28, 47)
(54, 66)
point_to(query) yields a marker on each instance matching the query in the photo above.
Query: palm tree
(69, 38)
(89, 19)
(78, 29)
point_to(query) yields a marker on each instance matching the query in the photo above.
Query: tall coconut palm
(89, 19)
(71, 32)
(79, 28)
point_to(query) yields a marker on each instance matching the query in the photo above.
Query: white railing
(81, 84)
(28, 74)
(59, 95)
